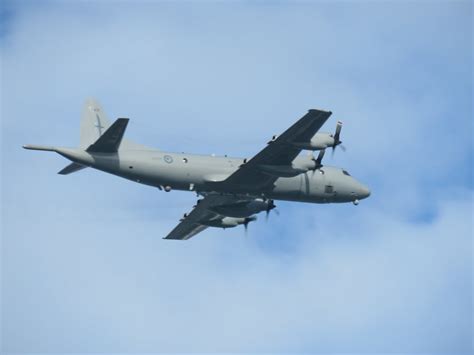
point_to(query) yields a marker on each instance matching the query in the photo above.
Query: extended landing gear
(355, 202)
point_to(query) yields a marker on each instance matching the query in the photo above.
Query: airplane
(231, 190)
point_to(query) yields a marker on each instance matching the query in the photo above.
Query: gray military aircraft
(233, 190)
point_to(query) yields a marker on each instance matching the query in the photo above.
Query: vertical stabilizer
(94, 122)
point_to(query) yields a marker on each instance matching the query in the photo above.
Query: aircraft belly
(290, 188)
(180, 172)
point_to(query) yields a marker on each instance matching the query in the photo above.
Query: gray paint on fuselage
(182, 171)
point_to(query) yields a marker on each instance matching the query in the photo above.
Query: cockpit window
(346, 173)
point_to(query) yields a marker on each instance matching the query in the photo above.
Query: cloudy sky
(84, 268)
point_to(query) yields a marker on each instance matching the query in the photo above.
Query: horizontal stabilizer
(110, 140)
(71, 168)
(39, 147)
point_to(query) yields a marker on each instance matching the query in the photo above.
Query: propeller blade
(247, 221)
(318, 161)
(343, 147)
(270, 206)
(320, 158)
(337, 138)
(337, 134)
(267, 214)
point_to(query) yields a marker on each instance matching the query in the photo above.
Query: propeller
(318, 161)
(247, 221)
(270, 206)
(337, 140)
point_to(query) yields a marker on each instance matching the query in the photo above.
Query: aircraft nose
(364, 191)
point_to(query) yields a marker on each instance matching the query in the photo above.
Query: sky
(84, 267)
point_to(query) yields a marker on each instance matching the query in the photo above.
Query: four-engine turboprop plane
(233, 190)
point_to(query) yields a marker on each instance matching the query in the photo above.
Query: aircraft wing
(194, 222)
(280, 151)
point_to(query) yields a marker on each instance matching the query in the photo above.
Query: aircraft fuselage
(189, 172)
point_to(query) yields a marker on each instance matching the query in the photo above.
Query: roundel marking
(168, 159)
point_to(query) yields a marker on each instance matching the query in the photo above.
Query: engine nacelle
(229, 222)
(296, 168)
(282, 170)
(242, 209)
(319, 142)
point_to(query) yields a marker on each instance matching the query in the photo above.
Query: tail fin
(94, 123)
(97, 135)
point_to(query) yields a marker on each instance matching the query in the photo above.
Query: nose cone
(363, 192)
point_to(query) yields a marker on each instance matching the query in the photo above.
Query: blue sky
(84, 268)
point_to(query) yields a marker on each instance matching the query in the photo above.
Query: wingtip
(317, 110)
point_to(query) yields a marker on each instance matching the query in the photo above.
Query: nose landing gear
(355, 202)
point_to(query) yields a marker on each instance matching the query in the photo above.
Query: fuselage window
(346, 173)
(329, 189)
